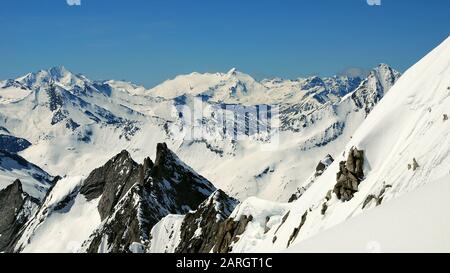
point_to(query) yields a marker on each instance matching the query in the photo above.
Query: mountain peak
(58, 71)
(232, 71)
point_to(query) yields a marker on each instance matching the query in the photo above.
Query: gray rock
(350, 175)
(297, 229)
(15, 209)
(217, 231)
(134, 197)
(415, 165)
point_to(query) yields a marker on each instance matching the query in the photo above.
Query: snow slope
(407, 124)
(59, 227)
(415, 222)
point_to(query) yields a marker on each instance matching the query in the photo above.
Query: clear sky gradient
(149, 41)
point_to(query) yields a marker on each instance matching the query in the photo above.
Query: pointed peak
(58, 70)
(17, 185)
(13, 189)
(163, 154)
(123, 156)
(232, 71)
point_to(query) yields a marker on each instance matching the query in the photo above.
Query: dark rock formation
(111, 181)
(415, 165)
(210, 219)
(377, 198)
(350, 175)
(283, 220)
(297, 229)
(324, 208)
(13, 144)
(134, 197)
(323, 165)
(445, 117)
(15, 209)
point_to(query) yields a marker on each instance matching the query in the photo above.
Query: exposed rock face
(320, 169)
(415, 165)
(206, 229)
(111, 181)
(350, 175)
(134, 197)
(177, 183)
(297, 230)
(377, 198)
(16, 208)
(13, 144)
(323, 165)
(374, 87)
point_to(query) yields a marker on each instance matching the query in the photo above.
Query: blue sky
(149, 41)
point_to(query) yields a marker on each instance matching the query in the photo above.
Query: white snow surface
(166, 234)
(416, 222)
(63, 230)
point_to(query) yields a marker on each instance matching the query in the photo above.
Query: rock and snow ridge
(115, 207)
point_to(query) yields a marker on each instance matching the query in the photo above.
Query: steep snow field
(415, 222)
(407, 124)
(58, 226)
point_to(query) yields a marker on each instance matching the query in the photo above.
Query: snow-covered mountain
(75, 124)
(70, 126)
(385, 191)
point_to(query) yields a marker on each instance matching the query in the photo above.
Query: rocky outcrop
(16, 208)
(13, 144)
(111, 181)
(134, 197)
(376, 198)
(350, 175)
(297, 229)
(208, 229)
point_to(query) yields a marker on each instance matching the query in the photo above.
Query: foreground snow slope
(416, 222)
(408, 124)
